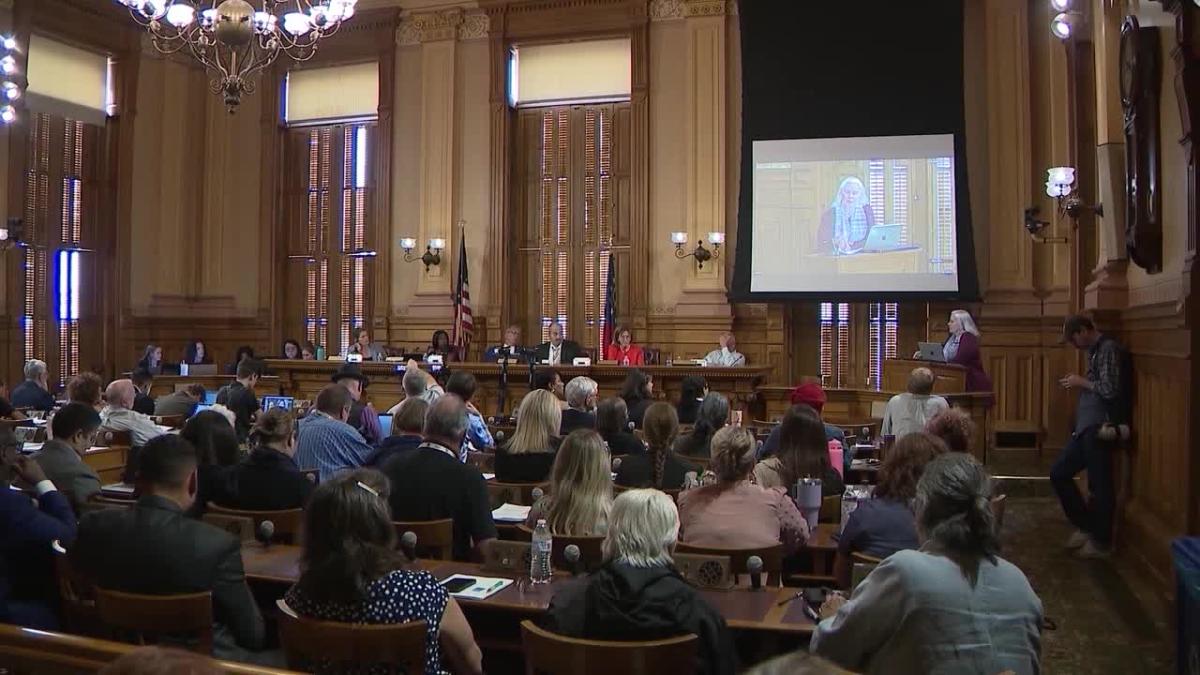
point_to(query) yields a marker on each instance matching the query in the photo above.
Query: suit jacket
(153, 548)
(573, 419)
(570, 350)
(968, 357)
(143, 403)
(67, 470)
(493, 354)
(177, 403)
(27, 589)
(29, 395)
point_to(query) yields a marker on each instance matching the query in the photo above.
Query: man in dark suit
(557, 351)
(511, 348)
(142, 381)
(582, 396)
(34, 392)
(153, 548)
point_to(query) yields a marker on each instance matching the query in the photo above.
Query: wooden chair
(75, 594)
(288, 523)
(512, 493)
(141, 616)
(998, 506)
(861, 565)
(484, 461)
(831, 509)
(772, 557)
(307, 642)
(112, 438)
(507, 557)
(173, 421)
(239, 526)
(435, 538)
(590, 555)
(554, 654)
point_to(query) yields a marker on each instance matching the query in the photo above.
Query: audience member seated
(659, 467)
(954, 427)
(638, 393)
(418, 384)
(86, 388)
(268, 479)
(580, 493)
(291, 350)
(240, 396)
(351, 572)
(637, 594)
(582, 394)
(884, 524)
(692, 390)
(510, 349)
(612, 421)
(371, 351)
(142, 381)
(27, 590)
(363, 416)
(180, 402)
(623, 351)
(407, 424)
(733, 512)
(713, 414)
(803, 453)
(72, 431)
(326, 442)
(162, 661)
(6, 410)
(34, 392)
(548, 379)
(557, 351)
(196, 353)
(153, 548)
(243, 353)
(726, 354)
(812, 395)
(432, 484)
(308, 351)
(909, 412)
(119, 415)
(151, 360)
(954, 606)
(462, 384)
(217, 452)
(439, 345)
(529, 454)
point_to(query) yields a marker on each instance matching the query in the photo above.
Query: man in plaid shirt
(1102, 400)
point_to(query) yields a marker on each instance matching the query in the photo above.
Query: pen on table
(788, 599)
(495, 586)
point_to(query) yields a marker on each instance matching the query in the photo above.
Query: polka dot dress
(397, 597)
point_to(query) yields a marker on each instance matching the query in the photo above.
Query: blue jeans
(1085, 451)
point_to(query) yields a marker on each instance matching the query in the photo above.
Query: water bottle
(539, 560)
(320, 353)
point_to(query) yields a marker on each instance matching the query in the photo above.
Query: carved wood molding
(450, 24)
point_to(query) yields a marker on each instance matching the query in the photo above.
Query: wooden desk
(166, 384)
(743, 608)
(908, 260)
(109, 463)
(303, 379)
(950, 378)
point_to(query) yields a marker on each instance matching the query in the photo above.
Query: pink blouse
(743, 516)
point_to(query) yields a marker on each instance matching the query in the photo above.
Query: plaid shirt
(1104, 369)
(329, 445)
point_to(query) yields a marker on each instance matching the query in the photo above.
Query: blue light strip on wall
(67, 275)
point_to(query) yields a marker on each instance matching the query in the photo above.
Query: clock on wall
(1141, 81)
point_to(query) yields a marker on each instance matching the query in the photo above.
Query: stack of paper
(511, 513)
(482, 587)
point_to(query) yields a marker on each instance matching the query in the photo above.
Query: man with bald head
(908, 412)
(118, 413)
(558, 351)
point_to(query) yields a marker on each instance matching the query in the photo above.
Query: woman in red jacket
(623, 351)
(962, 347)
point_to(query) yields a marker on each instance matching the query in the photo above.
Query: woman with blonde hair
(848, 220)
(529, 454)
(734, 512)
(660, 467)
(580, 493)
(962, 347)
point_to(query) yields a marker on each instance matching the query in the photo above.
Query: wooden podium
(950, 378)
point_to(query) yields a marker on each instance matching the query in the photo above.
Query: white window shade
(333, 94)
(67, 81)
(571, 72)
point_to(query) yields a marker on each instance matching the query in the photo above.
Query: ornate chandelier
(235, 41)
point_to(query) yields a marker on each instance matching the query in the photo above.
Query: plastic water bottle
(539, 560)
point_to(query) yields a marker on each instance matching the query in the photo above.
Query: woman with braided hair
(660, 467)
(953, 606)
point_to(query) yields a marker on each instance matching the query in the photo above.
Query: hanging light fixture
(234, 40)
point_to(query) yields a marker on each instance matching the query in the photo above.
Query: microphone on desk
(631, 426)
(616, 464)
(754, 566)
(537, 493)
(408, 544)
(265, 532)
(572, 554)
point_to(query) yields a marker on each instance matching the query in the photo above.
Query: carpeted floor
(1104, 624)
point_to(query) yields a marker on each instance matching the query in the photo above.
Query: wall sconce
(12, 84)
(1060, 182)
(1035, 227)
(1065, 22)
(11, 232)
(432, 255)
(701, 254)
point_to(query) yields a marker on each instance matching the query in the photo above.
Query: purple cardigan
(969, 358)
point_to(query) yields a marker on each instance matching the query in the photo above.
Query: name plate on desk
(581, 361)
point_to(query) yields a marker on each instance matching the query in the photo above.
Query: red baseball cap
(810, 394)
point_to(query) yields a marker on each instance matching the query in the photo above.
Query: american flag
(464, 326)
(610, 305)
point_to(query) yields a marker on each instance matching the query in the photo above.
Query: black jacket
(636, 472)
(143, 403)
(573, 419)
(637, 410)
(267, 480)
(620, 602)
(391, 446)
(526, 467)
(624, 443)
(153, 548)
(570, 351)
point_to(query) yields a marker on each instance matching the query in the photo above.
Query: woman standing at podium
(962, 347)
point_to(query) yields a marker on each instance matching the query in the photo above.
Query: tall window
(835, 343)
(333, 164)
(60, 206)
(943, 241)
(851, 335)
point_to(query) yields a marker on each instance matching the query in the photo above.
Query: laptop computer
(201, 408)
(285, 402)
(210, 397)
(385, 426)
(883, 238)
(197, 369)
(931, 351)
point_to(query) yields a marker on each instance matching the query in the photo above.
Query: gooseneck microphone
(572, 555)
(408, 544)
(537, 493)
(754, 565)
(265, 532)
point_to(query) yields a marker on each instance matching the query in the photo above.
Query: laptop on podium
(883, 238)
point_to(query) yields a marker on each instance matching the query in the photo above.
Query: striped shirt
(329, 445)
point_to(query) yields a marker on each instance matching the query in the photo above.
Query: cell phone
(815, 596)
(458, 584)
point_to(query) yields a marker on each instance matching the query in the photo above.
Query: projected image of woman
(848, 220)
